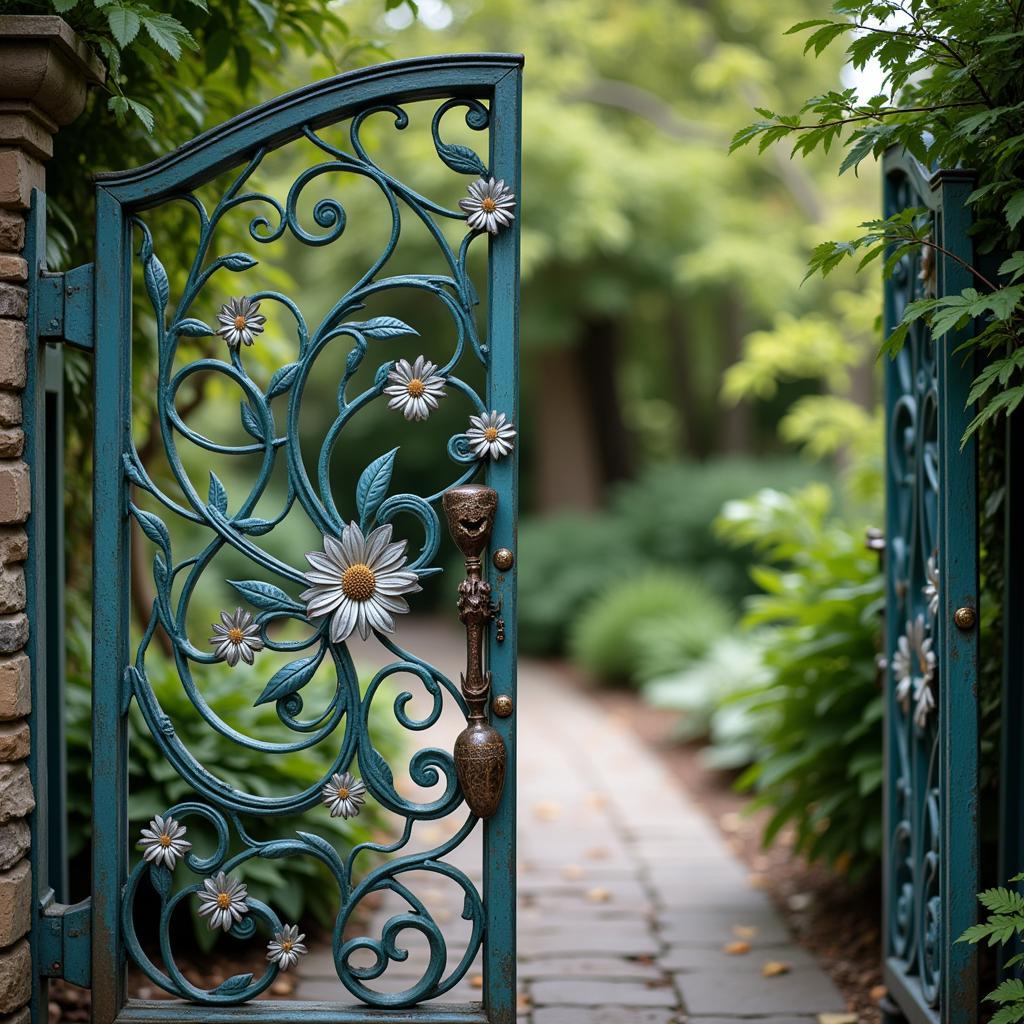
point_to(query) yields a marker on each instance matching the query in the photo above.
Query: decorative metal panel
(931, 571)
(374, 545)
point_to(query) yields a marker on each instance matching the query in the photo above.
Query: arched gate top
(278, 121)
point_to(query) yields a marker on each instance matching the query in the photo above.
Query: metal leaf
(384, 327)
(250, 422)
(461, 159)
(192, 328)
(282, 380)
(238, 261)
(374, 764)
(290, 679)
(161, 879)
(153, 527)
(265, 595)
(236, 983)
(373, 486)
(156, 284)
(254, 526)
(218, 498)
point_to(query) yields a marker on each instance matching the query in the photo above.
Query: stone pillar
(46, 70)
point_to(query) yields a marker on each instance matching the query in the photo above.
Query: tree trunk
(693, 436)
(599, 366)
(565, 459)
(736, 422)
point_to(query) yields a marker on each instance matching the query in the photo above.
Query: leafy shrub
(820, 766)
(609, 636)
(714, 696)
(669, 511)
(564, 561)
(1005, 924)
(664, 518)
(298, 884)
(674, 641)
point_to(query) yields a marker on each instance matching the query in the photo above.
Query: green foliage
(1005, 922)
(610, 638)
(714, 698)
(296, 884)
(564, 562)
(664, 518)
(952, 95)
(819, 704)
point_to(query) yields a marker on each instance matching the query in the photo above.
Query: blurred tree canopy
(649, 254)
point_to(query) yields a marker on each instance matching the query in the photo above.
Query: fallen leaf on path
(745, 931)
(837, 1018)
(737, 948)
(598, 853)
(596, 800)
(522, 1002)
(732, 821)
(598, 894)
(773, 968)
(757, 880)
(572, 872)
(547, 810)
(877, 993)
(477, 981)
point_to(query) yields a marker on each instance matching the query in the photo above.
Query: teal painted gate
(931, 636)
(211, 515)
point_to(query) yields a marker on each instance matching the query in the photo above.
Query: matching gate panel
(931, 635)
(374, 545)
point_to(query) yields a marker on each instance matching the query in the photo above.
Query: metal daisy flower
(924, 704)
(931, 586)
(490, 205)
(236, 636)
(913, 663)
(414, 389)
(240, 321)
(285, 948)
(490, 435)
(163, 842)
(344, 795)
(358, 581)
(224, 900)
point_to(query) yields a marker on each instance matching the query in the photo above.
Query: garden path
(628, 895)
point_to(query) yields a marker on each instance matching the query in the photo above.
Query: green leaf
(372, 487)
(1009, 990)
(143, 113)
(124, 25)
(168, 33)
(1014, 208)
(293, 677)
(63, 6)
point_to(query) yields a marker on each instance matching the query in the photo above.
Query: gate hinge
(65, 941)
(65, 303)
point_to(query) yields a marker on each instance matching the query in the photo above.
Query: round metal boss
(502, 705)
(503, 559)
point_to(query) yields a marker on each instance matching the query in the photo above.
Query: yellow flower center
(223, 900)
(165, 840)
(240, 321)
(488, 205)
(491, 434)
(343, 792)
(235, 635)
(416, 387)
(358, 582)
(286, 946)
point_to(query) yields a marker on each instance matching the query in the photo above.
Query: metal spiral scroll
(272, 591)
(914, 674)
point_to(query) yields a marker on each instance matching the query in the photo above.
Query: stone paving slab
(627, 892)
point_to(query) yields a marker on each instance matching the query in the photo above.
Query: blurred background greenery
(700, 436)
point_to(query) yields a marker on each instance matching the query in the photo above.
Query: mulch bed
(836, 922)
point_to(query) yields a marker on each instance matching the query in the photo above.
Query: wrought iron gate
(931, 733)
(374, 544)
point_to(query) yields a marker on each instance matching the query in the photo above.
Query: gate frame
(496, 79)
(945, 193)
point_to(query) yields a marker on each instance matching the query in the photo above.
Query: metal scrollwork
(914, 669)
(272, 597)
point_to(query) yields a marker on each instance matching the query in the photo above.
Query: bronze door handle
(479, 749)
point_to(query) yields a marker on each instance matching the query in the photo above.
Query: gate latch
(65, 946)
(65, 305)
